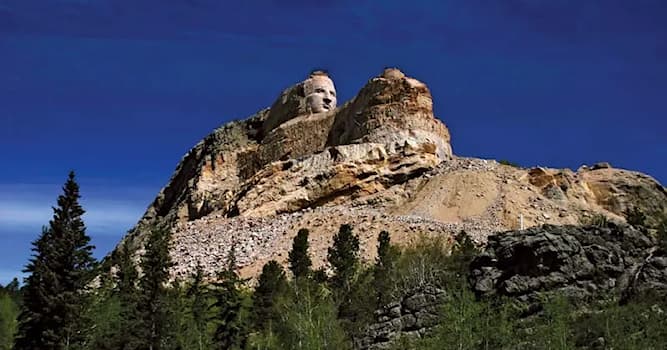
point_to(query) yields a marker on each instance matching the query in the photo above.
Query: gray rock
(410, 318)
(414, 302)
(577, 261)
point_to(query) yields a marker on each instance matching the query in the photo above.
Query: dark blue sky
(120, 90)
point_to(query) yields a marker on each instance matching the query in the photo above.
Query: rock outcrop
(576, 261)
(410, 318)
(381, 161)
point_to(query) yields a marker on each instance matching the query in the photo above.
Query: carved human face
(320, 94)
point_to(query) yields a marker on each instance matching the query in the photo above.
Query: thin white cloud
(30, 207)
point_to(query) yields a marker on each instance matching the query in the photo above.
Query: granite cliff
(381, 161)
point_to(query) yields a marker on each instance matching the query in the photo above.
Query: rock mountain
(381, 161)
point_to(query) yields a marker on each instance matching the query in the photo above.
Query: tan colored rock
(336, 175)
(316, 94)
(390, 111)
(320, 93)
(382, 161)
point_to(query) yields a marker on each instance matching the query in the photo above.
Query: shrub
(662, 232)
(635, 217)
(509, 163)
(597, 220)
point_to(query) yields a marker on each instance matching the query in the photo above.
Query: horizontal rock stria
(381, 161)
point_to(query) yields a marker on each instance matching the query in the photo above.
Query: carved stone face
(320, 94)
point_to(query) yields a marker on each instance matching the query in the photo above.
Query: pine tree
(343, 256)
(104, 330)
(59, 271)
(129, 335)
(199, 307)
(308, 320)
(383, 249)
(231, 304)
(271, 284)
(12, 288)
(153, 299)
(384, 264)
(298, 258)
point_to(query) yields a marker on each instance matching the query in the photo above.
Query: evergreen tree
(129, 335)
(59, 270)
(384, 245)
(272, 283)
(199, 307)
(343, 256)
(387, 256)
(153, 298)
(298, 258)
(13, 290)
(104, 330)
(232, 307)
(179, 332)
(308, 320)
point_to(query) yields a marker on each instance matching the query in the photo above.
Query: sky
(118, 91)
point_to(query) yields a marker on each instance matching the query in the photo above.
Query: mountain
(381, 161)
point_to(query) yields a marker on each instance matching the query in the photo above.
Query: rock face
(381, 161)
(411, 318)
(577, 261)
(390, 119)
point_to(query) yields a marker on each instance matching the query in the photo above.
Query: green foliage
(272, 283)
(509, 163)
(298, 258)
(181, 330)
(131, 330)
(633, 326)
(320, 275)
(343, 256)
(153, 301)
(383, 250)
(635, 217)
(104, 314)
(470, 324)
(232, 305)
(9, 312)
(463, 252)
(199, 310)
(356, 307)
(552, 328)
(597, 220)
(385, 263)
(12, 289)
(316, 312)
(350, 287)
(307, 321)
(59, 271)
(425, 263)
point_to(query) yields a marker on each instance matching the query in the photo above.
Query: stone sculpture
(320, 93)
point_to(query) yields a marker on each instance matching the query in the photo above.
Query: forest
(71, 301)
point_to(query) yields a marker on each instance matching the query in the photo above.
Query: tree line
(70, 301)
